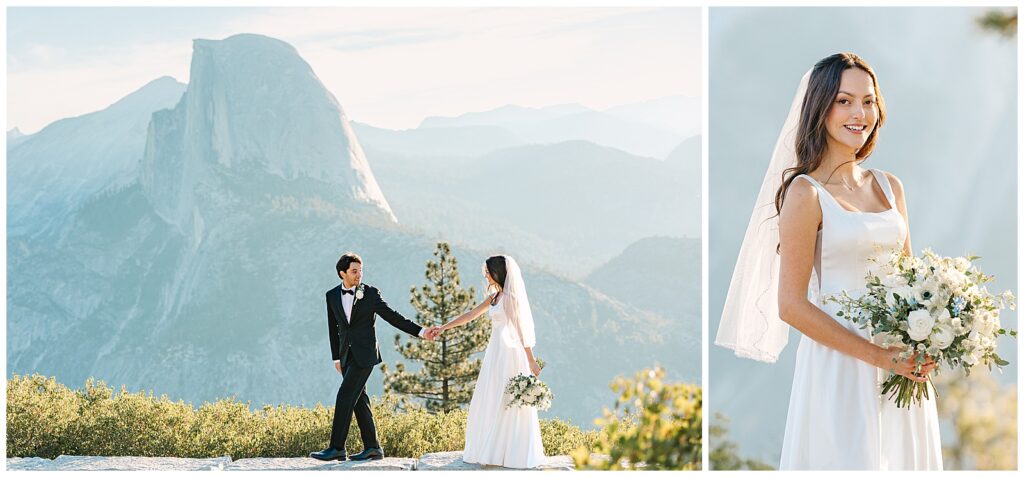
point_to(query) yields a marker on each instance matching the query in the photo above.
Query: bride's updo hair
(811, 135)
(496, 270)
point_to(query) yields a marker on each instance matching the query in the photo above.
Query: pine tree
(1003, 22)
(445, 380)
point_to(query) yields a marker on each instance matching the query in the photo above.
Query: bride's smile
(853, 114)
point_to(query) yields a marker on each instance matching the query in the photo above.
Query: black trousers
(352, 398)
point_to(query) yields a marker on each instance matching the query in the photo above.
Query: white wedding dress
(496, 434)
(837, 417)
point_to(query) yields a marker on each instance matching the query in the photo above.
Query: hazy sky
(389, 67)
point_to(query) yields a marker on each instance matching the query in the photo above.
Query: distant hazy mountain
(570, 205)
(459, 141)
(685, 159)
(662, 275)
(508, 115)
(683, 156)
(679, 114)
(56, 169)
(567, 123)
(476, 134)
(200, 270)
(14, 136)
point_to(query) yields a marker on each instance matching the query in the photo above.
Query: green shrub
(40, 413)
(46, 419)
(562, 438)
(655, 425)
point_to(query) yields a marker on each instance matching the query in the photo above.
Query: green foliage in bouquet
(46, 419)
(448, 375)
(655, 425)
(930, 307)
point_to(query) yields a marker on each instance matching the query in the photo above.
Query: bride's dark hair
(497, 270)
(811, 135)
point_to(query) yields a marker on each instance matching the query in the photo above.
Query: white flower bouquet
(525, 390)
(934, 307)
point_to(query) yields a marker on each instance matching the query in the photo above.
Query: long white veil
(517, 304)
(750, 324)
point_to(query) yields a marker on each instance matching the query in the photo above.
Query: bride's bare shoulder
(800, 195)
(897, 184)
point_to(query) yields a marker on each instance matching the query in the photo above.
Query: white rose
(943, 336)
(943, 317)
(892, 281)
(920, 324)
(955, 278)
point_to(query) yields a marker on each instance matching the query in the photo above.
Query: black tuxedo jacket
(358, 334)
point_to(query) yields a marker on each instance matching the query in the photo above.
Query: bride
(495, 434)
(818, 219)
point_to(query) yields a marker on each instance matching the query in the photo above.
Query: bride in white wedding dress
(496, 434)
(819, 219)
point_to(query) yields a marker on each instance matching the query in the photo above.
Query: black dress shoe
(370, 453)
(329, 453)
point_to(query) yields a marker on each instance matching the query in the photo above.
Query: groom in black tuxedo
(351, 308)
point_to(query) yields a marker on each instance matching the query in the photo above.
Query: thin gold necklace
(846, 185)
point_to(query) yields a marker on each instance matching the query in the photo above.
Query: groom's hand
(337, 365)
(431, 333)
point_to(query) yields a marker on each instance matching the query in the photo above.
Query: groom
(351, 307)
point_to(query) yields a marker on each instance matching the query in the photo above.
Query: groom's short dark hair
(346, 259)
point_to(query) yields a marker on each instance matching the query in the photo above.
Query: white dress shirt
(346, 303)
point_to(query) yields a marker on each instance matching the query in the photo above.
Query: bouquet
(525, 390)
(934, 307)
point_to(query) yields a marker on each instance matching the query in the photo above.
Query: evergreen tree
(448, 373)
(1003, 22)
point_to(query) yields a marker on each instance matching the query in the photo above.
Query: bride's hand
(907, 367)
(534, 368)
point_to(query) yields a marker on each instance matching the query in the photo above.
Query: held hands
(337, 365)
(433, 332)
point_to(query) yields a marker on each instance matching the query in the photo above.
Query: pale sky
(389, 67)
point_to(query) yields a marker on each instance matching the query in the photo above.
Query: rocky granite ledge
(435, 461)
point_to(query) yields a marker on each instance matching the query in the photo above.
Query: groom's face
(353, 275)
